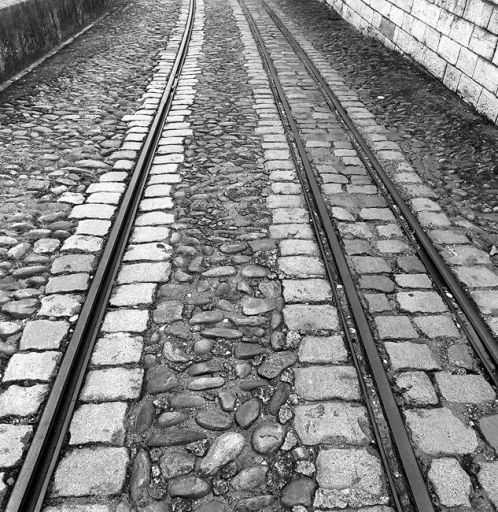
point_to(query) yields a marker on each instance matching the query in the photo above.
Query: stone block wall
(455, 40)
(31, 28)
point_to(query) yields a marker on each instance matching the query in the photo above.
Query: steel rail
(478, 333)
(416, 486)
(35, 475)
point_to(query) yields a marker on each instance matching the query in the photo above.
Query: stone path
(221, 380)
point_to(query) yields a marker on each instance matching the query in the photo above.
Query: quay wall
(455, 40)
(31, 28)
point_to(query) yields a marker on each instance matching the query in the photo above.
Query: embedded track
(409, 492)
(32, 483)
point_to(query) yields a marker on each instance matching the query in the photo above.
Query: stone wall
(31, 28)
(455, 40)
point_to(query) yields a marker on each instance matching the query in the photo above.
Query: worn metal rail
(33, 481)
(409, 493)
(459, 302)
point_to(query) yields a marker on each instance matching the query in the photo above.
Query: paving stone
(144, 234)
(22, 401)
(144, 273)
(301, 266)
(423, 302)
(331, 423)
(413, 281)
(417, 388)
(60, 305)
(395, 327)
(287, 231)
(488, 476)
(93, 227)
(476, 277)
(156, 218)
(38, 366)
(112, 384)
(129, 320)
(451, 483)
(376, 282)
(83, 243)
(43, 334)
(377, 302)
(408, 355)
(324, 349)
(435, 326)
(464, 388)
(306, 290)
(156, 251)
(300, 317)
(370, 265)
(91, 472)
(393, 246)
(356, 230)
(70, 263)
(99, 423)
(133, 294)
(290, 215)
(117, 349)
(446, 236)
(382, 214)
(327, 382)
(13, 440)
(433, 219)
(489, 429)
(487, 300)
(348, 478)
(466, 255)
(440, 432)
(70, 283)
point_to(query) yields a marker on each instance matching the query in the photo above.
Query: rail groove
(419, 497)
(33, 481)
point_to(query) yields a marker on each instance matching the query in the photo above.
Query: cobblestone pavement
(60, 128)
(452, 147)
(221, 380)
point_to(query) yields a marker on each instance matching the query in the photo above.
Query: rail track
(407, 484)
(410, 492)
(33, 481)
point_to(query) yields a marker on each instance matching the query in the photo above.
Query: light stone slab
(43, 334)
(22, 401)
(126, 320)
(117, 349)
(331, 423)
(99, 423)
(37, 366)
(91, 472)
(112, 384)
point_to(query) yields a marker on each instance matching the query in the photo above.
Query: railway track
(32, 483)
(360, 338)
(404, 472)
